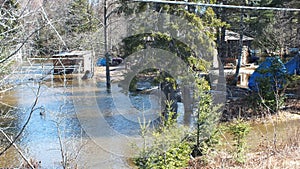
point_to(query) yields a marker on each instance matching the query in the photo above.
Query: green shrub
(169, 148)
(207, 132)
(239, 130)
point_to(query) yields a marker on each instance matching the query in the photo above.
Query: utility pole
(105, 46)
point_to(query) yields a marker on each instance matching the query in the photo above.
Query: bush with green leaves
(169, 147)
(239, 130)
(172, 145)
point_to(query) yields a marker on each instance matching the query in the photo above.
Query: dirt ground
(116, 73)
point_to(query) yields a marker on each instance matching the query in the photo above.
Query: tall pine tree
(80, 17)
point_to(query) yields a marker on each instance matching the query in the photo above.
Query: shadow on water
(116, 121)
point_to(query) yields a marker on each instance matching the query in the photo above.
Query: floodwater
(97, 127)
(273, 133)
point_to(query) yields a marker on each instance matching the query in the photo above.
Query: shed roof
(233, 36)
(72, 53)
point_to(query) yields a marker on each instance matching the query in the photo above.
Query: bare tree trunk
(238, 66)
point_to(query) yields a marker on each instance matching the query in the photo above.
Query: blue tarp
(293, 65)
(271, 68)
(101, 62)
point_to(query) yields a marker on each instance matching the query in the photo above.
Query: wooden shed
(232, 40)
(73, 62)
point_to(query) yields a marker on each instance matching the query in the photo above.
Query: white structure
(78, 61)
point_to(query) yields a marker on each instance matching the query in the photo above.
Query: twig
(17, 148)
(50, 23)
(64, 158)
(26, 123)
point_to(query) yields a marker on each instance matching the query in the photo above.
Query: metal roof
(233, 36)
(72, 53)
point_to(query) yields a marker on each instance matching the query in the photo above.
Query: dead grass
(285, 155)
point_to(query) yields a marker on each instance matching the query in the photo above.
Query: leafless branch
(17, 148)
(50, 23)
(26, 123)
(21, 45)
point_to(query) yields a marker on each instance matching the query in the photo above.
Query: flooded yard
(58, 123)
(93, 127)
(39, 140)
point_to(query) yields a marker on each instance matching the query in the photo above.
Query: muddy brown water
(270, 134)
(69, 102)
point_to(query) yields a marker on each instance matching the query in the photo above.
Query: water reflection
(116, 120)
(39, 139)
(63, 102)
(56, 109)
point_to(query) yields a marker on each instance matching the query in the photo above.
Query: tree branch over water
(33, 108)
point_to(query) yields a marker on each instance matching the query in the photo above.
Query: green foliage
(272, 86)
(169, 148)
(272, 30)
(9, 32)
(80, 17)
(268, 97)
(45, 40)
(199, 64)
(207, 131)
(9, 18)
(239, 130)
(74, 27)
(169, 121)
(195, 26)
(162, 41)
(9, 26)
(208, 145)
(293, 81)
(176, 156)
(133, 84)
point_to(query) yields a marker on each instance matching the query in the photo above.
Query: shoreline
(286, 114)
(116, 73)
